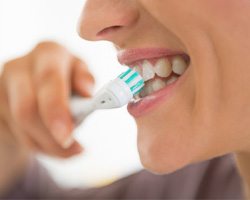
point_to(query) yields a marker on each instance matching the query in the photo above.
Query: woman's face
(206, 111)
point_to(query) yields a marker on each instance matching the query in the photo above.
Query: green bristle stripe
(138, 91)
(125, 73)
(134, 75)
(138, 85)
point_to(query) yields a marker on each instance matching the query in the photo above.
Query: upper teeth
(179, 65)
(147, 70)
(163, 69)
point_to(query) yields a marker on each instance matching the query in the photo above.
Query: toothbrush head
(120, 91)
(133, 80)
(115, 94)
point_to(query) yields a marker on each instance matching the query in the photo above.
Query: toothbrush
(114, 94)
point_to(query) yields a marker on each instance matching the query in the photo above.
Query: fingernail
(60, 132)
(68, 142)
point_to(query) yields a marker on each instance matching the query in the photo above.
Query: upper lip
(130, 56)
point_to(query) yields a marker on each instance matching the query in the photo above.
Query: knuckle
(13, 67)
(15, 63)
(24, 111)
(51, 72)
(48, 46)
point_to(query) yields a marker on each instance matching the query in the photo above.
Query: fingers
(24, 118)
(52, 83)
(82, 80)
(17, 98)
(8, 127)
(26, 123)
(38, 87)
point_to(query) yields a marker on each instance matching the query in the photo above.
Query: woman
(202, 113)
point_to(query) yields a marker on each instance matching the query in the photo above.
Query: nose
(108, 20)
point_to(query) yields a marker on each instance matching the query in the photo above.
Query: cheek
(177, 132)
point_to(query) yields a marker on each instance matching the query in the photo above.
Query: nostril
(108, 30)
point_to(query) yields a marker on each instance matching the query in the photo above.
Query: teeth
(138, 69)
(179, 65)
(148, 89)
(158, 84)
(152, 86)
(143, 92)
(171, 80)
(148, 71)
(163, 68)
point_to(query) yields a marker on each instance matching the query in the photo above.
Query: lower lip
(147, 104)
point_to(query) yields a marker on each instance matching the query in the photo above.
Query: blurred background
(109, 137)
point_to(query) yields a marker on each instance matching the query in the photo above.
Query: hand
(34, 98)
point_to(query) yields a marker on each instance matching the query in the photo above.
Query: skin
(213, 101)
(34, 109)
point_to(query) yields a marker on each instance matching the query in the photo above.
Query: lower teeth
(172, 80)
(155, 85)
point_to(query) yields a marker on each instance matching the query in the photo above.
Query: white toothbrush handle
(80, 108)
(114, 94)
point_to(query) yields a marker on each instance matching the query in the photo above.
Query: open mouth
(158, 73)
(161, 69)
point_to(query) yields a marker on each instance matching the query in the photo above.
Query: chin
(155, 165)
(161, 157)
